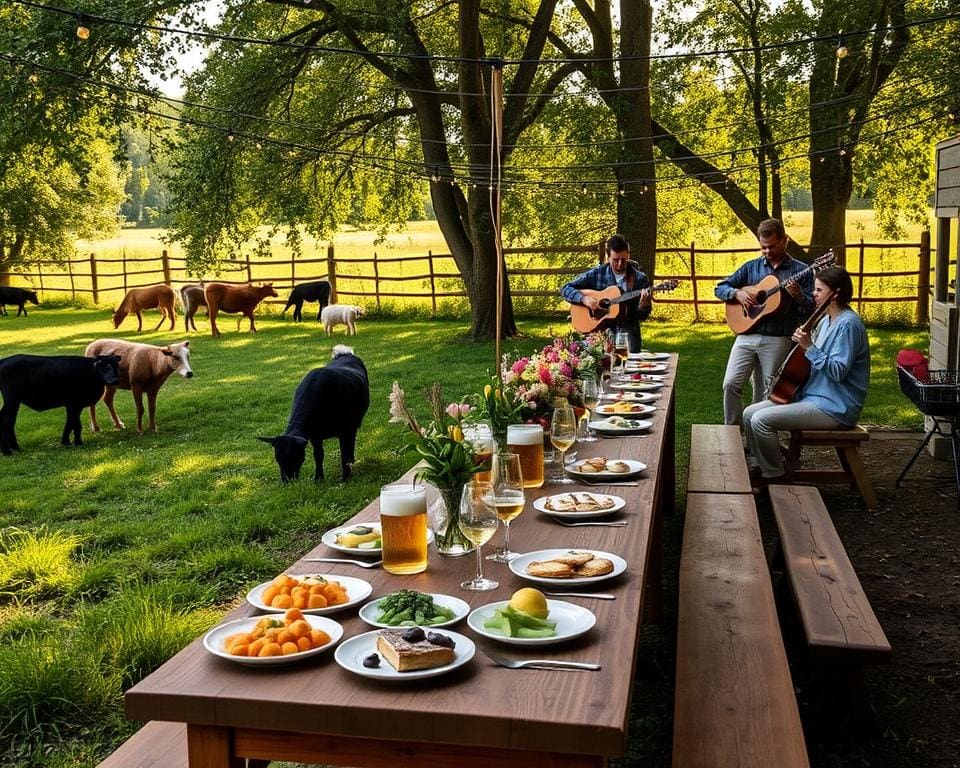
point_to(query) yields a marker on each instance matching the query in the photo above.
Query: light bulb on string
(842, 51)
(83, 31)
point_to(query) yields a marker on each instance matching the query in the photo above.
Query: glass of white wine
(506, 497)
(478, 521)
(563, 434)
(621, 348)
(590, 392)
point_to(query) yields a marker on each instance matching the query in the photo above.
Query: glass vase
(443, 515)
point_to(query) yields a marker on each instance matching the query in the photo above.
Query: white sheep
(340, 314)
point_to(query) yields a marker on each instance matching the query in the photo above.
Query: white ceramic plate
(352, 652)
(572, 621)
(519, 566)
(635, 468)
(330, 539)
(213, 640)
(604, 427)
(648, 356)
(541, 506)
(358, 590)
(636, 409)
(637, 386)
(631, 397)
(639, 367)
(371, 610)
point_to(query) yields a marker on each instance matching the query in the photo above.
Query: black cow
(316, 291)
(329, 402)
(59, 381)
(18, 296)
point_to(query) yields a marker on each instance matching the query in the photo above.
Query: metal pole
(496, 113)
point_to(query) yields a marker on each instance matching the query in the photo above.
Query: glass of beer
(526, 440)
(480, 435)
(506, 498)
(621, 348)
(478, 522)
(403, 526)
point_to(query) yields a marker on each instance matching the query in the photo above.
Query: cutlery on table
(601, 482)
(608, 524)
(503, 661)
(361, 563)
(595, 595)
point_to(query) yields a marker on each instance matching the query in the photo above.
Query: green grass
(116, 554)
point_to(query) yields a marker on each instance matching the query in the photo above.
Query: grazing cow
(340, 314)
(151, 297)
(329, 402)
(224, 297)
(143, 368)
(315, 291)
(18, 296)
(192, 298)
(60, 381)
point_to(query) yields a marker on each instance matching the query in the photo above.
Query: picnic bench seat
(156, 745)
(846, 443)
(734, 702)
(837, 619)
(717, 462)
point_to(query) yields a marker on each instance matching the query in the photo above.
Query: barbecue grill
(937, 396)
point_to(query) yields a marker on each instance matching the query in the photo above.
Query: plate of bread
(630, 397)
(602, 468)
(624, 408)
(578, 504)
(405, 653)
(618, 425)
(568, 566)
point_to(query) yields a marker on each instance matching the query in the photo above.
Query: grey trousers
(762, 421)
(749, 352)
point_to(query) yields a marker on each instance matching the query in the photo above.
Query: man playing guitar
(620, 271)
(767, 342)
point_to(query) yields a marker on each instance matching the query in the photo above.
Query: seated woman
(833, 396)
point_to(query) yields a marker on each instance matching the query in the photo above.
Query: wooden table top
(478, 704)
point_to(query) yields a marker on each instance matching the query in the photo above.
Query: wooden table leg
(852, 462)
(209, 746)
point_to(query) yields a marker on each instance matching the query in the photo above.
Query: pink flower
(566, 370)
(464, 409)
(453, 410)
(518, 366)
(551, 356)
(544, 374)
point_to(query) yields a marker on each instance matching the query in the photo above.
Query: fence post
(73, 290)
(249, 272)
(923, 280)
(376, 278)
(40, 275)
(123, 261)
(433, 284)
(860, 279)
(165, 260)
(93, 277)
(693, 279)
(332, 273)
(293, 270)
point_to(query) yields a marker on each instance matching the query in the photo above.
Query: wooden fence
(892, 280)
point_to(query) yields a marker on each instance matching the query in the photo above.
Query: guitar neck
(633, 294)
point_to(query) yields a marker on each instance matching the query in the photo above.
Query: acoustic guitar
(795, 369)
(586, 320)
(769, 296)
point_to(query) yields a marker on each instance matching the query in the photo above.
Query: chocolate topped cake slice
(406, 656)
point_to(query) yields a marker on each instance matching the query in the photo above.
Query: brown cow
(151, 297)
(143, 368)
(224, 297)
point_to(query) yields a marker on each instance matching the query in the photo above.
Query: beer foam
(524, 434)
(403, 500)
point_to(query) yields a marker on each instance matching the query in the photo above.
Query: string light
(842, 51)
(83, 31)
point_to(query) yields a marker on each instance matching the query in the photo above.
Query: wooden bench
(156, 745)
(717, 462)
(846, 442)
(734, 702)
(837, 619)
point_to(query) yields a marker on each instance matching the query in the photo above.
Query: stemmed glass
(621, 348)
(506, 496)
(563, 434)
(590, 392)
(478, 521)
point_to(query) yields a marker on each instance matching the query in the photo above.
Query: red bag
(914, 361)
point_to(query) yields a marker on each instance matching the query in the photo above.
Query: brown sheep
(224, 297)
(151, 297)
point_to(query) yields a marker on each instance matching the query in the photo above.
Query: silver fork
(361, 563)
(611, 524)
(503, 661)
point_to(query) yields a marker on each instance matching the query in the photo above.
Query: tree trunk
(831, 184)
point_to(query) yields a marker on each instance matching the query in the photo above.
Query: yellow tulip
(457, 434)
(487, 390)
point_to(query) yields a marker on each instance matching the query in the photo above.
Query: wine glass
(563, 434)
(478, 521)
(590, 392)
(621, 348)
(480, 435)
(506, 496)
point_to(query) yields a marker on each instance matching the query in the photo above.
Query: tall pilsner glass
(526, 440)
(403, 524)
(506, 497)
(590, 390)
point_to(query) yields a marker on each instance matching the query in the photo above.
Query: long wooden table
(479, 714)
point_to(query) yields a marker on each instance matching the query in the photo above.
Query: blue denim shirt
(603, 276)
(839, 367)
(784, 321)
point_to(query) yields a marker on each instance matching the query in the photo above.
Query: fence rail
(892, 280)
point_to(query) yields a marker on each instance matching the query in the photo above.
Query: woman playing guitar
(838, 353)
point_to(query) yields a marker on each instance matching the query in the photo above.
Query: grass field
(115, 555)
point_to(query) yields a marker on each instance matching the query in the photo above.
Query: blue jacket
(839, 367)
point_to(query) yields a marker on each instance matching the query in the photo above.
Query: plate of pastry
(623, 408)
(568, 566)
(578, 504)
(408, 653)
(602, 468)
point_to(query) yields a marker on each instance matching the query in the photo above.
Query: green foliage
(36, 563)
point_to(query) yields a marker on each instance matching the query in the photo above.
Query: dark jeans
(636, 339)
